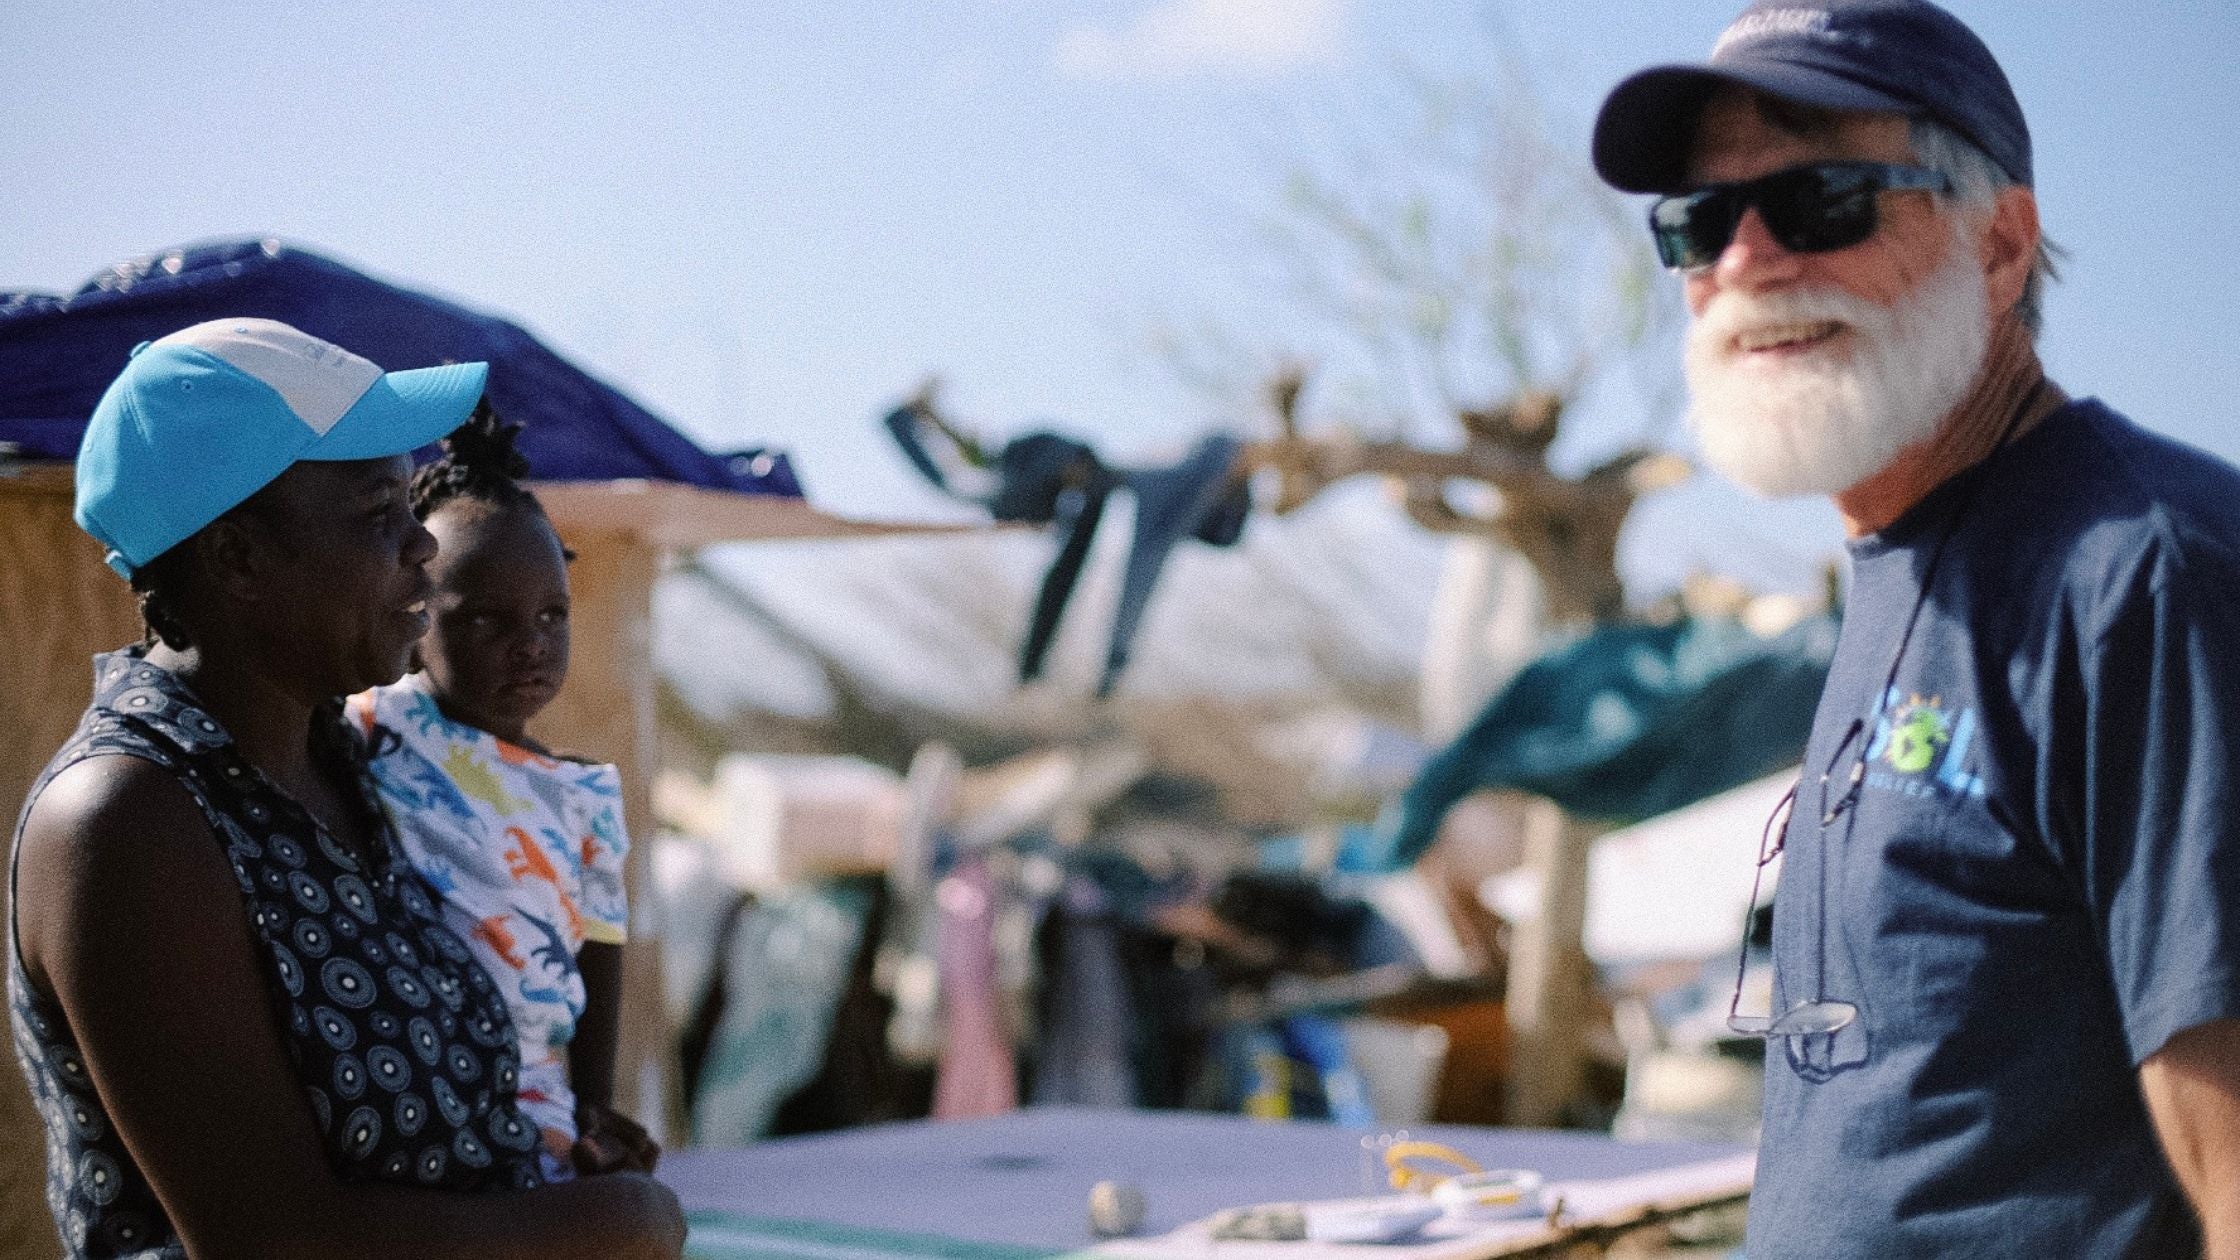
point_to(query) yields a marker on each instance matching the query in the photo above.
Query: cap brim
(1644, 134)
(403, 412)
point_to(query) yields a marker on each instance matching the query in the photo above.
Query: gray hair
(1976, 181)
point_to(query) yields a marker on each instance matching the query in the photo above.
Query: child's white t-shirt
(525, 853)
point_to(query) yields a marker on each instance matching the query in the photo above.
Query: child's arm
(591, 1051)
(606, 1140)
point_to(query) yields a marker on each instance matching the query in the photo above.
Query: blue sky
(769, 220)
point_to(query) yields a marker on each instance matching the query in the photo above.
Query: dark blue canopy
(58, 353)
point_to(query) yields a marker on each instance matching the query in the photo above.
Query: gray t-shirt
(2039, 882)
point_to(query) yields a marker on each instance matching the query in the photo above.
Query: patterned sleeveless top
(400, 1041)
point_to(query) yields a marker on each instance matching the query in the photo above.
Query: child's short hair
(479, 463)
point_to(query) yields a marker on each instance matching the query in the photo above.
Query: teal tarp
(786, 974)
(1631, 722)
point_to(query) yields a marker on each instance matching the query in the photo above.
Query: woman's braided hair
(158, 586)
(155, 587)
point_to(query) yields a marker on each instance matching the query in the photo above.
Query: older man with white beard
(2005, 1016)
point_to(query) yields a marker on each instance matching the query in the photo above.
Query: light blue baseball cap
(200, 420)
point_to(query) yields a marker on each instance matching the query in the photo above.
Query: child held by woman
(524, 845)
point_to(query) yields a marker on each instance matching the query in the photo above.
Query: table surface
(1022, 1180)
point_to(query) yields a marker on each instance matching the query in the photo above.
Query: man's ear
(2010, 246)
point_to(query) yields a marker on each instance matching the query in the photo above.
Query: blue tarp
(57, 353)
(1631, 722)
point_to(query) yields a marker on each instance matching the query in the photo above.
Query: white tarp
(1674, 887)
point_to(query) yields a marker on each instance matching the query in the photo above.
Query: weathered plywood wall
(58, 606)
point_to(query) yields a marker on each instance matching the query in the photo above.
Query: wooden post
(1550, 991)
(606, 711)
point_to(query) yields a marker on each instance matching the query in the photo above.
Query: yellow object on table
(1409, 1179)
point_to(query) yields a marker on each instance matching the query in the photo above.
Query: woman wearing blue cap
(245, 1028)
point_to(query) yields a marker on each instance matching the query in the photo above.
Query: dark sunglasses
(1808, 209)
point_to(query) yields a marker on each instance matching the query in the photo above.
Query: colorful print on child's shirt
(527, 853)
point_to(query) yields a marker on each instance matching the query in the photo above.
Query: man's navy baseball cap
(200, 420)
(1894, 56)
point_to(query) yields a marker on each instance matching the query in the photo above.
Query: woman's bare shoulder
(108, 830)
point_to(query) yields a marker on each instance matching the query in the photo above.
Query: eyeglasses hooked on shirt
(1819, 1013)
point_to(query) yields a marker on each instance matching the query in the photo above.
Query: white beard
(1827, 419)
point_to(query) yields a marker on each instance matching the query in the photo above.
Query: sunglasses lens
(1818, 208)
(1692, 230)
